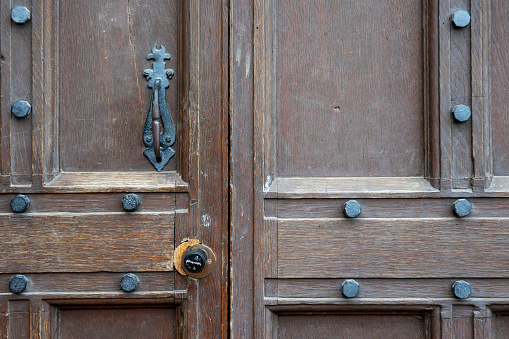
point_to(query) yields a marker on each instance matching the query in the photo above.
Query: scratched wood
(392, 248)
(87, 242)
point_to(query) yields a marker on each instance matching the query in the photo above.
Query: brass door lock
(194, 259)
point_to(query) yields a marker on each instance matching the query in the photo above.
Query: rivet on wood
(461, 289)
(350, 288)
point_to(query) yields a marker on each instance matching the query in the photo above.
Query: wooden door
(75, 157)
(352, 103)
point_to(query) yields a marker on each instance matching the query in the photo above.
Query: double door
(335, 168)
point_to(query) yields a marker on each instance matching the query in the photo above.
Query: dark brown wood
(93, 283)
(499, 84)
(114, 322)
(241, 292)
(388, 248)
(391, 289)
(365, 81)
(112, 40)
(81, 65)
(348, 326)
(87, 242)
(311, 106)
(461, 94)
(19, 319)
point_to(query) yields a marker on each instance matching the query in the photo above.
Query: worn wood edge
(177, 254)
(378, 305)
(118, 181)
(499, 184)
(96, 295)
(296, 185)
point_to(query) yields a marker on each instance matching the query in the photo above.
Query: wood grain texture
(397, 248)
(352, 326)
(355, 108)
(241, 170)
(87, 242)
(384, 208)
(433, 289)
(336, 187)
(81, 283)
(500, 325)
(19, 319)
(21, 89)
(499, 53)
(105, 97)
(117, 181)
(139, 322)
(461, 94)
(443, 92)
(463, 321)
(91, 203)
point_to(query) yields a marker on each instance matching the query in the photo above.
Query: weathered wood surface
(139, 322)
(75, 242)
(349, 92)
(104, 97)
(393, 248)
(353, 326)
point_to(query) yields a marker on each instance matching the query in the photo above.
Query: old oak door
(80, 151)
(372, 199)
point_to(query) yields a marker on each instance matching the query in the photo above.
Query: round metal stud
(129, 282)
(352, 208)
(350, 288)
(18, 283)
(21, 109)
(20, 203)
(460, 18)
(131, 202)
(461, 113)
(462, 207)
(461, 289)
(20, 14)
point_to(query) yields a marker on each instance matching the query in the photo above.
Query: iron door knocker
(157, 138)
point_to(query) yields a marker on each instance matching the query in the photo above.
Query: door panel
(357, 326)
(99, 131)
(117, 323)
(365, 81)
(354, 101)
(81, 151)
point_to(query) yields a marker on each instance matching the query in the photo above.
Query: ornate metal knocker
(158, 142)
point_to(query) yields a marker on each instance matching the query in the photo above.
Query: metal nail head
(460, 18)
(461, 113)
(352, 208)
(461, 289)
(131, 202)
(18, 283)
(129, 282)
(20, 203)
(462, 207)
(350, 288)
(20, 14)
(21, 109)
